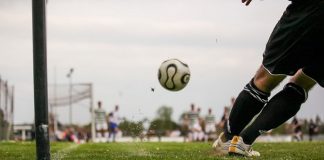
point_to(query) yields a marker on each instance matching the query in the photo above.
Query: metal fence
(6, 110)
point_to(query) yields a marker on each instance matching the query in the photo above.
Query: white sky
(118, 45)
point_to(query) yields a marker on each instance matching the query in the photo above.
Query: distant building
(24, 132)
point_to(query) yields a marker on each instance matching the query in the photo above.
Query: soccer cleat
(238, 147)
(221, 145)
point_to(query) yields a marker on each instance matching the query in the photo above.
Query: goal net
(78, 97)
(62, 95)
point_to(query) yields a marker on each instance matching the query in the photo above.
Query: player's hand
(247, 2)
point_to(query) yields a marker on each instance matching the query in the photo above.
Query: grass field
(172, 151)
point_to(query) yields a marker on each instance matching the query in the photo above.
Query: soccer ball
(173, 74)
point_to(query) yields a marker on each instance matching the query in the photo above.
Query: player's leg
(106, 132)
(196, 130)
(114, 132)
(98, 133)
(251, 100)
(279, 109)
(249, 103)
(282, 106)
(296, 42)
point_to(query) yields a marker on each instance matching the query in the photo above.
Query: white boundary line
(63, 152)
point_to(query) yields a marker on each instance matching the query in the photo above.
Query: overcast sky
(118, 46)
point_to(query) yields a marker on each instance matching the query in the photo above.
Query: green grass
(172, 151)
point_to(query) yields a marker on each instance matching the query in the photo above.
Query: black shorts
(297, 41)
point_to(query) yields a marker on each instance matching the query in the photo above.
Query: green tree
(164, 113)
(163, 121)
(131, 128)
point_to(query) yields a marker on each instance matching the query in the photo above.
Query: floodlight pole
(40, 79)
(69, 75)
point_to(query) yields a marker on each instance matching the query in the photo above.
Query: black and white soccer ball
(174, 74)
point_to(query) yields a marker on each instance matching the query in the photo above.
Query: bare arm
(247, 2)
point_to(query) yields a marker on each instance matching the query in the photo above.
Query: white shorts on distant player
(101, 126)
(210, 128)
(195, 127)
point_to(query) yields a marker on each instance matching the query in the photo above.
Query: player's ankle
(227, 137)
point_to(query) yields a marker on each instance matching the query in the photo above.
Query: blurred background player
(202, 124)
(210, 125)
(297, 130)
(194, 125)
(224, 118)
(101, 123)
(312, 129)
(223, 122)
(185, 123)
(114, 121)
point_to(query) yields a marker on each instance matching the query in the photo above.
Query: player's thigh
(265, 81)
(302, 80)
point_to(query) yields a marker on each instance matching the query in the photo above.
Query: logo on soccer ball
(173, 74)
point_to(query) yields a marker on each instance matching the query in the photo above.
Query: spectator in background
(297, 130)
(223, 122)
(101, 123)
(312, 129)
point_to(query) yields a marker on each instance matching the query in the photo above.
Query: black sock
(248, 103)
(280, 108)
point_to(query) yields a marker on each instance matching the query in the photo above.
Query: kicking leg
(284, 105)
(250, 101)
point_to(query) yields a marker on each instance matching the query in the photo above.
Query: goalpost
(40, 81)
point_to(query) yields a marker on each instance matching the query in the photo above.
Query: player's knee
(265, 81)
(302, 80)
